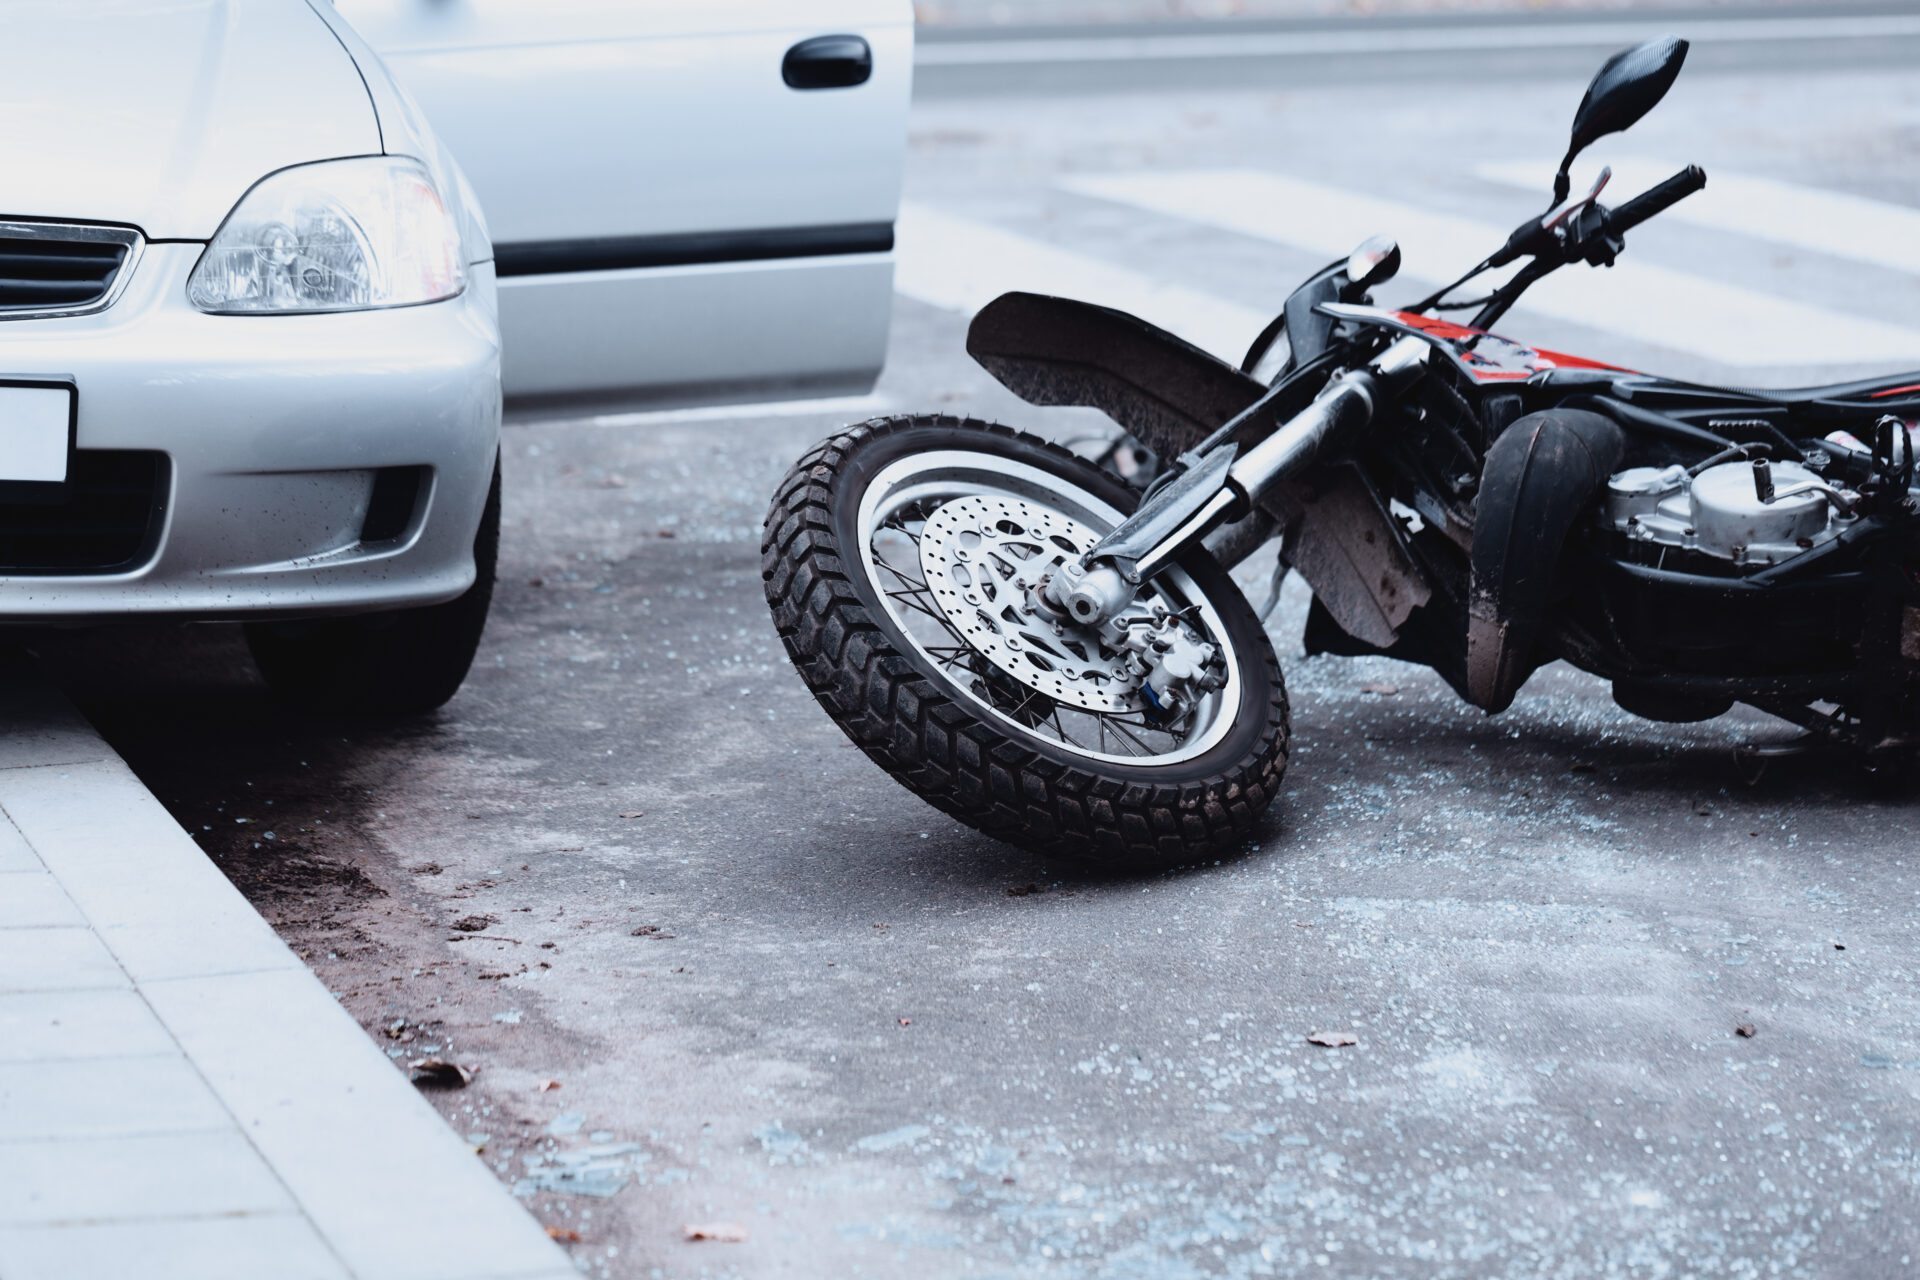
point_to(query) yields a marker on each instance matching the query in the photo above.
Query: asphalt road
(769, 989)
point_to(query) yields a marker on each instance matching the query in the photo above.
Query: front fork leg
(1219, 487)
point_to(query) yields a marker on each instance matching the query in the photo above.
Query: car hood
(161, 113)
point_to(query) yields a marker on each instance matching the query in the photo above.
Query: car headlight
(341, 235)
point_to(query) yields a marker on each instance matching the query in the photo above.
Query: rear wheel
(397, 663)
(904, 560)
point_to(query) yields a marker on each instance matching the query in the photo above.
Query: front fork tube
(1106, 583)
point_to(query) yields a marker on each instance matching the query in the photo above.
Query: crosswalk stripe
(1718, 321)
(961, 265)
(1826, 222)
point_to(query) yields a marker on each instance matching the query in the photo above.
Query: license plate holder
(37, 420)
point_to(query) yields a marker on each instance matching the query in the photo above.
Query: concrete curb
(179, 1096)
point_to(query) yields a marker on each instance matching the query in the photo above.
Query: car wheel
(399, 663)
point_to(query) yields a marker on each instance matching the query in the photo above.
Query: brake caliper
(1174, 666)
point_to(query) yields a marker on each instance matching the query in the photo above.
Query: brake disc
(984, 559)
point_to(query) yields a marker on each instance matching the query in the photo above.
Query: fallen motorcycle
(1055, 658)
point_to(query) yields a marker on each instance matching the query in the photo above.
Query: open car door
(694, 198)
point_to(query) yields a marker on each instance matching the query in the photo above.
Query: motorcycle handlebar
(1657, 200)
(1537, 238)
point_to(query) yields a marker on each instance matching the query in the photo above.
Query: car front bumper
(272, 432)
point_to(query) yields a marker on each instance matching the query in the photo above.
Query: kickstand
(1280, 569)
(1752, 758)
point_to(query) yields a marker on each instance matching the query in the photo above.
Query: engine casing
(1719, 513)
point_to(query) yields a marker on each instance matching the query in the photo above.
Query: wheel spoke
(954, 659)
(913, 600)
(1144, 748)
(1060, 729)
(916, 583)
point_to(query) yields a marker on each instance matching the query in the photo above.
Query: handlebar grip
(1658, 200)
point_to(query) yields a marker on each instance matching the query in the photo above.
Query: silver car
(249, 345)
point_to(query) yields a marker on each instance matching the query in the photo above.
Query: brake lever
(1536, 237)
(1558, 218)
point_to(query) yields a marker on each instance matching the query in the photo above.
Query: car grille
(105, 519)
(57, 268)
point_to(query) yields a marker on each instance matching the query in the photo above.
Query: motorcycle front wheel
(901, 561)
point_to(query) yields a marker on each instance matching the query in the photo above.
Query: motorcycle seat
(1841, 404)
(1876, 395)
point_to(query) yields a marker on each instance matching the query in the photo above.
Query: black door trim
(623, 253)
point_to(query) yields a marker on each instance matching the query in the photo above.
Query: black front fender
(1166, 392)
(1170, 395)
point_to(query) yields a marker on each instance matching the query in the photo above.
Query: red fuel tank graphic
(1492, 358)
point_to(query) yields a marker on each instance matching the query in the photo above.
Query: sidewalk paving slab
(56, 960)
(283, 1246)
(179, 1096)
(100, 1097)
(35, 900)
(50, 1027)
(93, 1179)
(100, 833)
(15, 853)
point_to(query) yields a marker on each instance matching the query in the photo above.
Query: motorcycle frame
(1298, 473)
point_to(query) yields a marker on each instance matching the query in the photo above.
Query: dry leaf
(438, 1073)
(718, 1232)
(472, 924)
(1332, 1039)
(1383, 690)
(565, 1235)
(906, 1022)
(548, 1086)
(650, 931)
(1745, 1031)
(635, 813)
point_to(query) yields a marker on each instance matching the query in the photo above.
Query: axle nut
(1095, 595)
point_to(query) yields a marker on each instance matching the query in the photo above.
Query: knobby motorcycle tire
(849, 650)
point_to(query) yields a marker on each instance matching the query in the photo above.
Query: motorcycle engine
(1721, 514)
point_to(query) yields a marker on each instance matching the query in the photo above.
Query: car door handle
(828, 62)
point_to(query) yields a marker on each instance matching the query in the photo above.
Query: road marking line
(1682, 312)
(1310, 44)
(959, 264)
(1827, 222)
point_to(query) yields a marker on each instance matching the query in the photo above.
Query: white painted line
(838, 406)
(1719, 321)
(1390, 40)
(961, 265)
(1827, 222)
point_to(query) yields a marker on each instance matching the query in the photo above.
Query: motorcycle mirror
(1376, 261)
(1629, 85)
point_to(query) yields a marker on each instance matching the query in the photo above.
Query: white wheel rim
(909, 491)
